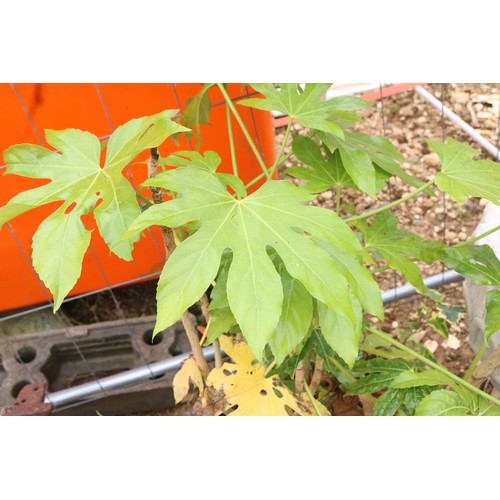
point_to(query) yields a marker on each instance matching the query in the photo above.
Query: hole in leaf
(226, 372)
(279, 394)
(70, 208)
(263, 392)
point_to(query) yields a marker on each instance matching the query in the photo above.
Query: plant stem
(247, 135)
(390, 205)
(270, 367)
(436, 366)
(169, 242)
(144, 199)
(342, 370)
(206, 314)
(312, 400)
(337, 197)
(475, 361)
(231, 141)
(255, 180)
(479, 237)
(350, 377)
(283, 145)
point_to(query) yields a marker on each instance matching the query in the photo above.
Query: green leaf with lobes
(383, 154)
(78, 181)
(395, 246)
(462, 176)
(305, 106)
(356, 161)
(209, 161)
(475, 262)
(270, 218)
(325, 173)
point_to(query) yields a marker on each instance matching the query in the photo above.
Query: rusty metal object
(29, 402)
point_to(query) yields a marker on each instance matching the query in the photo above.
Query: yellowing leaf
(245, 386)
(188, 372)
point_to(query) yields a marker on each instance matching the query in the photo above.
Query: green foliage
(461, 176)
(475, 262)
(290, 277)
(378, 375)
(492, 322)
(296, 316)
(397, 246)
(305, 106)
(79, 182)
(444, 403)
(197, 111)
(325, 173)
(263, 219)
(393, 400)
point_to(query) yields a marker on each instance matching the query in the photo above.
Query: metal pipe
(458, 121)
(408, 290)
(72, 394)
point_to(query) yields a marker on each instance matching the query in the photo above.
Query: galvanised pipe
(458, 121)
(408, 290)
(72, 394)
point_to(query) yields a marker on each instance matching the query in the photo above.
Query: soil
(405, 119)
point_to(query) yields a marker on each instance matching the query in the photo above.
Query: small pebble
(431, 345)
(451, 235)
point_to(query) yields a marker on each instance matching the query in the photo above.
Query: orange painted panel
(27, 109)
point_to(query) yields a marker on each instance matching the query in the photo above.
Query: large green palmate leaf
(475, 262)
(325, 173)
(305, 106)
(462, 176)
(271, 218)
(83, 186)
(396, 246)
(356, 161)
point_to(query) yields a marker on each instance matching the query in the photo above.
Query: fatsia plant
(290, 285)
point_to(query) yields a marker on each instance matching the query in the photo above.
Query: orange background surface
(27, 109)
